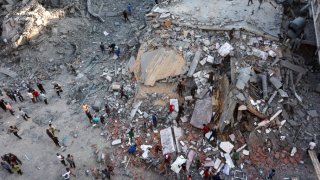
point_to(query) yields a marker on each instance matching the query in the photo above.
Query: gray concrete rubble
(192, 86)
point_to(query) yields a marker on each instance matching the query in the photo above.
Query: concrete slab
(231, 14)
(167, 141)
(202, 113)
(154, 65)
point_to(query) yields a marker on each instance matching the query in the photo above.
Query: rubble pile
(245, 87)
(24, 22)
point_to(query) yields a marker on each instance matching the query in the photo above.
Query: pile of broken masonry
(255, 86)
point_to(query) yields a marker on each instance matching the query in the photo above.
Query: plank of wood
(315, 162)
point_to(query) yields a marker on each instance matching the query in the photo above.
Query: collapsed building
(249, 84)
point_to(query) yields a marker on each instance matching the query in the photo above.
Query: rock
(313, 113)
(206, 42)
(272, 53)
(275, 82)
(261, 54)
(226, 146)
(97, 105)
(243, 78)
(283, 93)
(225, 49)
(242, 108)
(116, 23)
(116, 142)
(210, 59)
(164, 15)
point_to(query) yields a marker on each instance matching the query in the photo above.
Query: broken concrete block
(243, 78)
(283, 93)
(258, 53)
(191, 155)
(210, 59)
(97, 105)
(272, 53)
(135, 108)
(115, 86)
(194, 63)
(202, 112)
(226, 146)
(275, 82)
(178, 133)
(116, 142)
(245, 152)
(167, 141)
(313, 113)
(177, 164)
(232, 137)
(293, 67)
(217, 163)
(241, 97)
(225, 49)
(8, 72)
(164, 15)
(203, 61)
(229, 161)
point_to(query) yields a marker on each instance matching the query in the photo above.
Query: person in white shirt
(312, 145)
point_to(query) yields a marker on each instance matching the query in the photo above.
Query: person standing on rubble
(9, 107)
(11, 95)
(311, 146)
(205, 129)
(19, 95)
(53, 129)
(61, 159)
(54, 139)
(43, 97)
(154, 120)
(71, 161)
(111, 48)
(117, 52)
(129, 8)
(35, 95)
(29, 94)
(3, 105)
(23, 114)
(107, 109)
(131, 134)
(125, 15)
(5, 165)
(271, 174)
(260, 2)
(250, 1)
(103, 50)
(14, 130)
(86, 109)
(41, 88)
(122, 93)
(58, 89)
(180, 89)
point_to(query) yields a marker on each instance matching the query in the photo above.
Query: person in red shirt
(35, 95)
(171, 108)
(205, 129)
(206, 174)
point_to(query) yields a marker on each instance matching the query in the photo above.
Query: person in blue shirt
(129, 8)
(132, 149)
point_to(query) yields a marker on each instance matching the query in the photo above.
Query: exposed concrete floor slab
(232, 14)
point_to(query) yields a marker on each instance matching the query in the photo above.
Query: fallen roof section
(226, 15)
